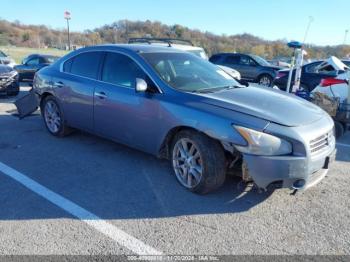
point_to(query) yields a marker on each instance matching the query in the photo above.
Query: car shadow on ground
(343, 148)
(108, 179)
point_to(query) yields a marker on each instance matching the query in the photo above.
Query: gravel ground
(138, 194)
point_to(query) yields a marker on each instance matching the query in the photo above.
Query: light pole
(346, 36)
(311, 19)
(67, 17)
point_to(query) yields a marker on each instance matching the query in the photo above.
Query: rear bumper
(289, 171)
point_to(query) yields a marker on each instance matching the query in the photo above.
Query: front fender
(213, 121)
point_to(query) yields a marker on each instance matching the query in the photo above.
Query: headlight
(262, 144)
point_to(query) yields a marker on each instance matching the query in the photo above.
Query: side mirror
(141, 85)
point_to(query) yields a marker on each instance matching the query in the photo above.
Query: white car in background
(183, 45)
(232, 72)
(6, 60)
(337, 84)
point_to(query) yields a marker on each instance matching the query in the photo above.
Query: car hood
(266, 103)
(274, 67)
(285, 70)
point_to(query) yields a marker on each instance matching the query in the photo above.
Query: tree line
(40, 36)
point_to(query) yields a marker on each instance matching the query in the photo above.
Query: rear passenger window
(121, 70)
(86, 64)
(232, 59)
(214, 58)
(67, 65)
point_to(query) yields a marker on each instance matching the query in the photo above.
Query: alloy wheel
(52, 116)
(265, 81)
(187, 163)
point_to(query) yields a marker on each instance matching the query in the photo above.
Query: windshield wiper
(216, 89)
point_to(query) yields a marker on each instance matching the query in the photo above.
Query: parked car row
(11, 74)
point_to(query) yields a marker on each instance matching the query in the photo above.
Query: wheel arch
(164, 150)
(262, 74)
(42, 98)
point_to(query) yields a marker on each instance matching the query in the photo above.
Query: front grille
(320, 143)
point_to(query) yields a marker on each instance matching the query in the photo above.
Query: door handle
(101, 95)
(58, 84)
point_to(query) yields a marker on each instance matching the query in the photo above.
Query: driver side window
(232, 60)
(245, 60)
(121, 70)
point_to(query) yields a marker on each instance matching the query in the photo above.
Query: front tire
(198, 162)
(53, 117)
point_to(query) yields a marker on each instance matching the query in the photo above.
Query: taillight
(332, 81)
(280, 74)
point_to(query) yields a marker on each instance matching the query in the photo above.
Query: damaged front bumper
(27, 104)
(289, 171)
(8, 85)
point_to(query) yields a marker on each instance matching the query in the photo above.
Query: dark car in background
(310, 76)
(8, 81)
(252, 68)
(31, 64)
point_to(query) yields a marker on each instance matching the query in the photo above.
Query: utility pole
(67, 17)
(346, 36)
(311, 19)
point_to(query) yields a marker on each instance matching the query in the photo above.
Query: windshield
(199, 53)
(51, 59)
(260, 60)
(189, 73)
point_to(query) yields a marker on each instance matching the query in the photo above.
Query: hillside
(18, 34)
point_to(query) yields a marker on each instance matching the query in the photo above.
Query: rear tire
(265, 80)
(339, 129)
(53, 117)
(198, 161)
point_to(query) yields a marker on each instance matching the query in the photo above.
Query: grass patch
(18, 53)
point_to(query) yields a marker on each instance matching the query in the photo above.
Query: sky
(269, 19)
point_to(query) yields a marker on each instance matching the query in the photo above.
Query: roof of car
(233, 53)
(139, 48)
(41, 55)
(177, 46)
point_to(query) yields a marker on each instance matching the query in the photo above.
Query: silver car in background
(177, 106)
